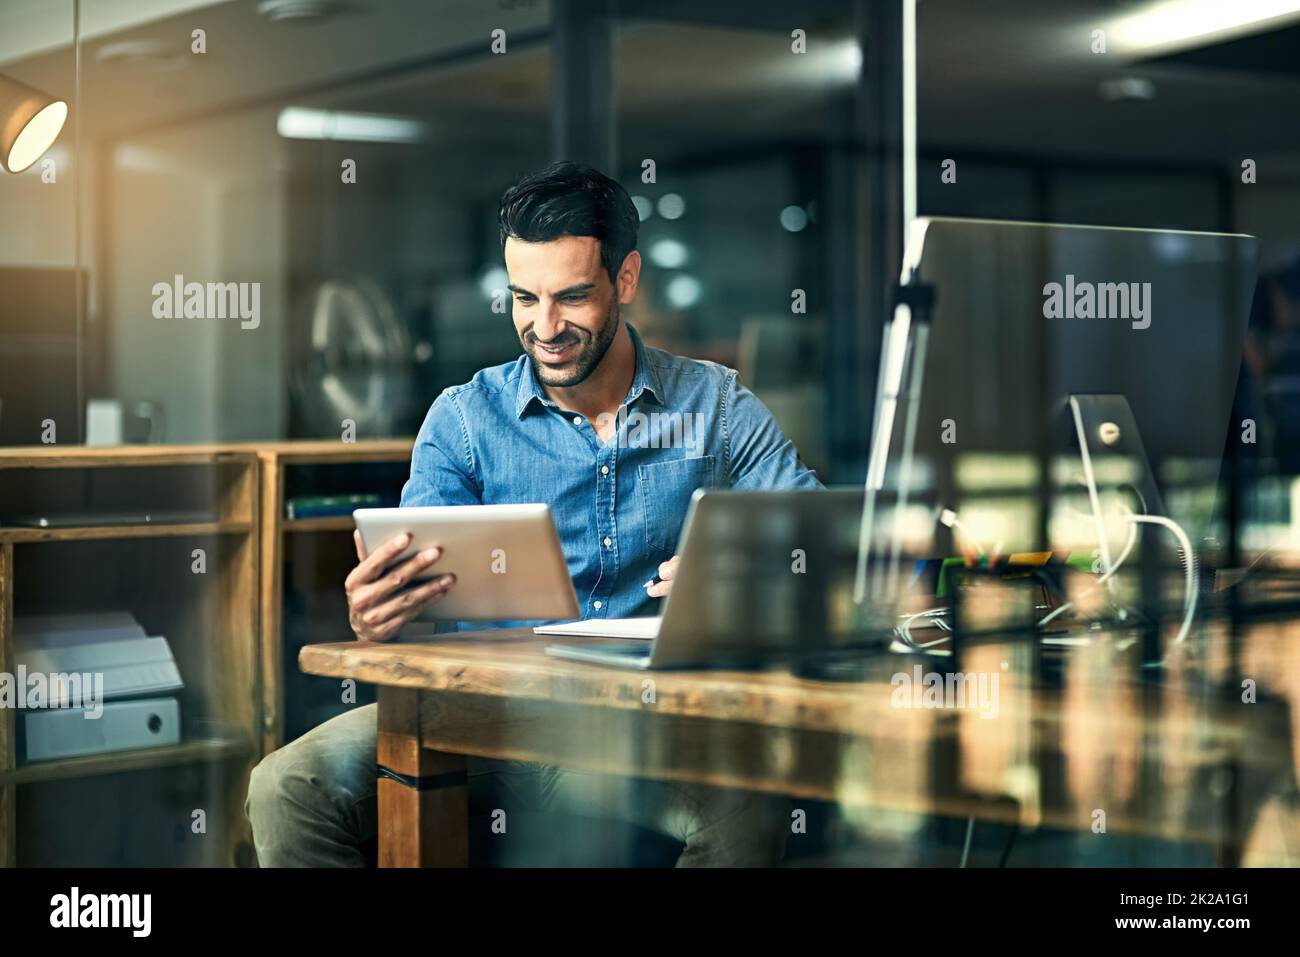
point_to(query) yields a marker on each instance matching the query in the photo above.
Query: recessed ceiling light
(299, 11)
(305, 123)
(794, 219)
(1126, 88)
(671, 206)
(668, 253)
(143, 56)
(683, 291)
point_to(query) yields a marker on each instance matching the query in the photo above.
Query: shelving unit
(304, 562)
(138, 807)
(270, 584)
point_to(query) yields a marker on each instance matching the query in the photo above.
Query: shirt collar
(645, 379)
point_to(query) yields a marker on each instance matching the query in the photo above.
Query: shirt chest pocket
(665, 490)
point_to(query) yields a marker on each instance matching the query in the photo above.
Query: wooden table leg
(423, 798)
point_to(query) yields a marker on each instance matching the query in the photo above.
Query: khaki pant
(312, 803)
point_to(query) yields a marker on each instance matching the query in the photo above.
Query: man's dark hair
(566, 199)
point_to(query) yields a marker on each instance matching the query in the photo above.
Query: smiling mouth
(556, 354)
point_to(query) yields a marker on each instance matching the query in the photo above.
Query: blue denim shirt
(618, 506)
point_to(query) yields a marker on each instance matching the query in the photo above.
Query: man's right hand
(377, 607)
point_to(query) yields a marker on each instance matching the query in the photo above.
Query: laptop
(765, 577)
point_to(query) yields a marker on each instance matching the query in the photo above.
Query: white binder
(112, 644)
(54, 733)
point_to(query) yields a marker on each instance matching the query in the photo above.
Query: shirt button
(604, 470)
(596, 605)
(608, 542)
(577, 420)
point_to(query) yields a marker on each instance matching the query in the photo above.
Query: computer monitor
(1008, 375)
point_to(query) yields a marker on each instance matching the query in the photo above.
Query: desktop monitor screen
(978, 446)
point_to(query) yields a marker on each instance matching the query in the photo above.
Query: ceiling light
(832, 61)
(668, 253)
(1127, 88)
(302, 123)
(1179, 23)
(30, 122)
(144, 56)
(671, 206)
(794, 219)
(298, 11)
(683, 291)
(494, 279)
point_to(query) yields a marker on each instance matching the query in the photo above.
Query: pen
(654, 581)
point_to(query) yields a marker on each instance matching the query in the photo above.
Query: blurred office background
(774, 171)
(227, 166)
(778, 178)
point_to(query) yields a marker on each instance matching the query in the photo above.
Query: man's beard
(592, 348)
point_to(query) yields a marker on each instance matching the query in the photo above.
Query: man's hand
(665, 584)
(377, 608)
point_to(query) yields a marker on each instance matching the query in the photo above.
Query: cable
(1011, 840)
(904, 629)
(949, 517)
(1189, 567)
(1123, 556)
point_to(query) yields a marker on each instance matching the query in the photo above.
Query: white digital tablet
(507, 559)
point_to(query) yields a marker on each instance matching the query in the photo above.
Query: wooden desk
(1140, 753)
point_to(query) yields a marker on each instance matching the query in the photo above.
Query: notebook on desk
(646, 628)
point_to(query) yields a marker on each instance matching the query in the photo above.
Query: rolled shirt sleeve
(442, 465)
(758, 454)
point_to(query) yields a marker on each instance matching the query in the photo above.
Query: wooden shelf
(289, 452)
(329, 451)
(84, 533)
(117, 456)
(329, 523)
(200, 751)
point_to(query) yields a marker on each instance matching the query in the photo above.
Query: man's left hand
(665, 584)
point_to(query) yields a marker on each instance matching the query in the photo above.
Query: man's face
(566, 311)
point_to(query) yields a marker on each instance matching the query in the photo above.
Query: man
(614, 437)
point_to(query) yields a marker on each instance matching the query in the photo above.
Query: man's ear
(629, 275)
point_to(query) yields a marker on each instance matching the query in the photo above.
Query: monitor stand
(1106, 429)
